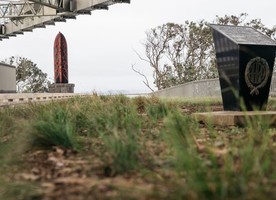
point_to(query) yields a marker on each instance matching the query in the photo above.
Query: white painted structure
(7, 78)
(18, 16)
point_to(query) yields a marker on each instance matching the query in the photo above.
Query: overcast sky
(101, 46)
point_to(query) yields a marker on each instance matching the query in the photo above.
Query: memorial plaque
(245, 60)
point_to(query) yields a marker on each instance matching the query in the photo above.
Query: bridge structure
(19, 16)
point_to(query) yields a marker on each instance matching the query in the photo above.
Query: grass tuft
(54, 128)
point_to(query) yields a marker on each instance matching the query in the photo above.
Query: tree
(29, 78)
(182, 53)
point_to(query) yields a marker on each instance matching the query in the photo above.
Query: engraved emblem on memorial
(256, 74)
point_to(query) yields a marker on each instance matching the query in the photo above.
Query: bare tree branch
(140, 57)
(146, 82)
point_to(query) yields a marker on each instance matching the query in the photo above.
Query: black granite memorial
(245, 60)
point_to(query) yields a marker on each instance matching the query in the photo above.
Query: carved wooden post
(60, 59)
(61, 84)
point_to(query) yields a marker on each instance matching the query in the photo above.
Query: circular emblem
(256, 74)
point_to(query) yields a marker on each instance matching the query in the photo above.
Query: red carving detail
(60, 59)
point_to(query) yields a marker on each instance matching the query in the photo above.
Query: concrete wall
(7, 78)
(273, 85)
(202, 88)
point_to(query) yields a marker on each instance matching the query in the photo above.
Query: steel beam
(27, 24)
(22, 9)
(55, 4)
(95, 4)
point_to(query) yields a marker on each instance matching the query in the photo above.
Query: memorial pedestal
(61, 88)
(245, 60)
(236, 118)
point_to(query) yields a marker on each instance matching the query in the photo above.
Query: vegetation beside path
(114, 147)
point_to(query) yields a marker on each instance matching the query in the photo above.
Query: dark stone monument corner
(61, 84)
(245, 60)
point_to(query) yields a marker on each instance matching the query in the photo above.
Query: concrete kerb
(12, 99)
(236, 118)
